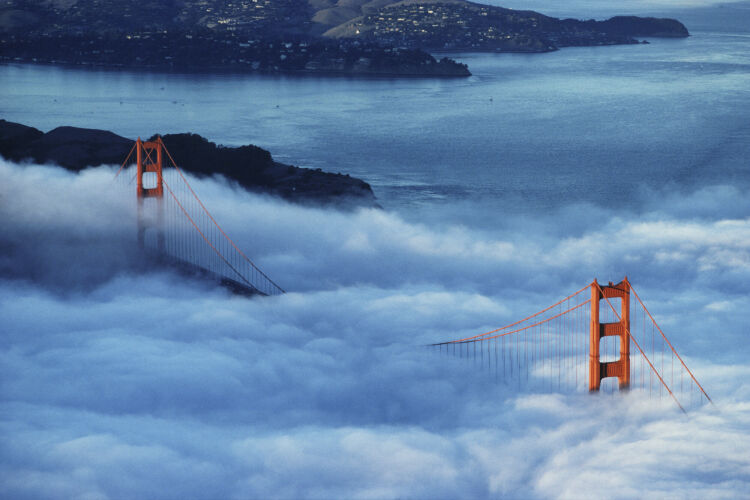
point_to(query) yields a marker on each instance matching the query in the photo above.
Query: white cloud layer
(119, 381)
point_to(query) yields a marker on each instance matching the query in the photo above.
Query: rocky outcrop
(70, 147)
(644, 26)
(250, 166)
(254, 168)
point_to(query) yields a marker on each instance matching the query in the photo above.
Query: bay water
(524, 134)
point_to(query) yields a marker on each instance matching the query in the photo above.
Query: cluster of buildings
(466, 26)
(447, 25)
(257, 16)
(261, 17)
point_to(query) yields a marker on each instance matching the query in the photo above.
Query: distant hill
(462, 25)
(429, 24)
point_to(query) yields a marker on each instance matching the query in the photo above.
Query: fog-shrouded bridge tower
(174, 224)
(147, 163)
(620, 368)
(596, 333)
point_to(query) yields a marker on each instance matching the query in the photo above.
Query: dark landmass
(353, 37)
(250, 166)
(205, 50)
(467, 26)
(270, 36)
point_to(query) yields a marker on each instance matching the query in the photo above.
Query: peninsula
(350, 37)
(251, 167)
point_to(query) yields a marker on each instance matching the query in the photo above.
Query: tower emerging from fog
(178, 228)
(620, 368)
(565, 346)
(149, 156)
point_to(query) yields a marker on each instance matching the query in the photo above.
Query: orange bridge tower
(620, 368)
(149, 160)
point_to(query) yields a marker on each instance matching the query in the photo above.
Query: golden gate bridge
(175, 226)
(601, 336)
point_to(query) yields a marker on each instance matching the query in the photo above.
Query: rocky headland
(251, 167)
(458, 25)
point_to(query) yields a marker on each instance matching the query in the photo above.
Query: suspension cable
(126, 160)
(670, 344)
(204, 236)
(516, 322)
(630, 336)
(179, 171)
(474, 339)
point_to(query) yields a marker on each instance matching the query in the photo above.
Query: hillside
(250, 166)
(461, 25)
(441, 24)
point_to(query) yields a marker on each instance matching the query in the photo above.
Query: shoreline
(251, 167)
(221, 70)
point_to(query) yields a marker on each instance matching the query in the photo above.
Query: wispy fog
(119, 380)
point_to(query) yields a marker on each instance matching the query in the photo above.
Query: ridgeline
(251, 167)
(348, 37)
